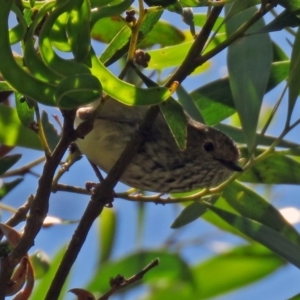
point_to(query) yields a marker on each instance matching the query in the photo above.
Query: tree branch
(39, 204)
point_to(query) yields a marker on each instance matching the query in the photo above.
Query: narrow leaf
(189, 214)
(293, 80)
(6, 187)
(107, 233)
(249, 63)
(215, 100)
(264, 140)
(262, 234)
(8, 161)
(275, 169)
(13, 133)
(188, 104)
(177, 121)
(25, 112)
(251, 205)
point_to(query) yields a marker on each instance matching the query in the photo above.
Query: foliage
(49, 33)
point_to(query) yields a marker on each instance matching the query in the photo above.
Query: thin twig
(24, 169)
(120, 282)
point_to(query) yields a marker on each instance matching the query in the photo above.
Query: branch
(24, 169)
(120, 282)
(39, 204)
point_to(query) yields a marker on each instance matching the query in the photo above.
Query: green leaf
(188, 104)
(40, 263)
(239, 6)
(106, 29)
(283, 20)
(296, 297)
(253, 206)
(40, 291)
(107, 9)
(62, 67)
(125, 92)
(107, 233)
(171, 34)
(275, 169)
(213, 219)
(6, 187)
(13, 133)
(172, 56)
(120, 44)
(78, 29)
(17, 33)
(237, 268)
(8, 161)
(200, 19)
(77, 90)
(249, 63)
(264, 140)
(291, 5)
(25, 112)
(58, 34)
(173, 114)
(262, 234)
(32, 58)
(171, 267)
(177, 121)
(215, 100)
(293, 81)
(189, 214)
(13, 73)
(50, 131)
(4, 86)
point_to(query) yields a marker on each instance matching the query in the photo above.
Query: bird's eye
(209, 146)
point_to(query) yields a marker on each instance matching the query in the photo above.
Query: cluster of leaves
(256, 65)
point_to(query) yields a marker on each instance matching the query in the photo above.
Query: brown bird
(159, 165)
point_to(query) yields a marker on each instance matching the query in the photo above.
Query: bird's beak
(231, 165)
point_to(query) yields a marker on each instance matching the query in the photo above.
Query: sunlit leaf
(120, 44)
(13, 133)
(107, 233)
(172, 56)
(25, 112)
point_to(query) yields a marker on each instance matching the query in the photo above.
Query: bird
(159, 165)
